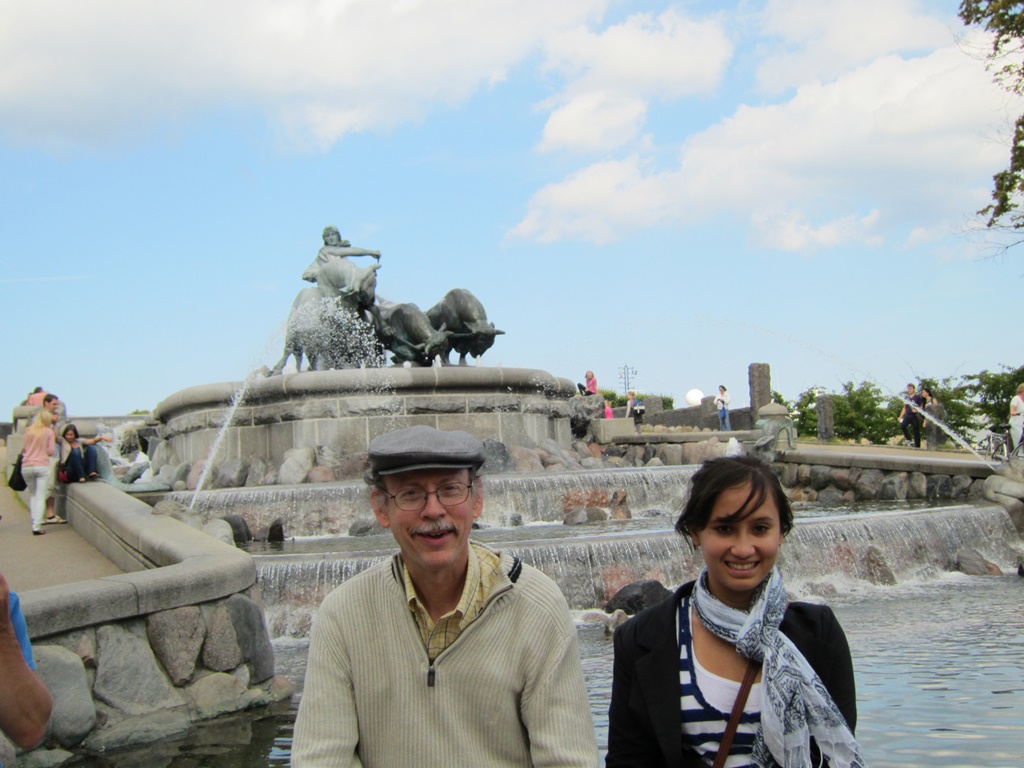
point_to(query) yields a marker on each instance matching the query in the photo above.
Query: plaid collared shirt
(480, 578)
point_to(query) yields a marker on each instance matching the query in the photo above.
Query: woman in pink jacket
(39, 446)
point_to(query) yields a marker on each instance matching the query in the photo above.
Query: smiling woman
(730, 642)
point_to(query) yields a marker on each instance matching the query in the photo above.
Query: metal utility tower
(625, 373)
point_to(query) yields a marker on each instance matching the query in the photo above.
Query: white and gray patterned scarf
(796, 705)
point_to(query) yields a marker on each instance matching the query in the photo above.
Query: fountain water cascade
(822, 556)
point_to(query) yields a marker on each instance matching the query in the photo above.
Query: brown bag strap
(737, 712)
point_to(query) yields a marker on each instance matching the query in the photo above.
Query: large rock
(231, 474)
(894, 487)
(354, 467)
(257, 474)
(559, 454)
(194, 473)
(671, 454)
(253, 638)
(917, 485)
(128, 676)
(840, 478)
(326, 474)
(139, 730)
(973, 564)
(297, 463)
(961, 486)
(499, 459)
(176, 637)
(239, 528)
(526, 459)
(939, 487)
(868, 483)
(64, 674)
(221, 652)
(634, 597)
(215, 694)
(820, 477)
(366, 527)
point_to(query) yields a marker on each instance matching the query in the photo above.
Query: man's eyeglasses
(415, 499)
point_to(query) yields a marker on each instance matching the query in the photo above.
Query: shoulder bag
(16, 481)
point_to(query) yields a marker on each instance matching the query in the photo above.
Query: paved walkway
(30, 562)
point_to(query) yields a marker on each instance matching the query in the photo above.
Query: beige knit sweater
(508, 692)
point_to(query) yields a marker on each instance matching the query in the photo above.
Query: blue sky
(680, 188)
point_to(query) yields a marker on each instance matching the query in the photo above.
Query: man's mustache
(428, 529)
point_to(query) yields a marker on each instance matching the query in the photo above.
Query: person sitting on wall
(589, 387)
(25, 703)
(450, 653)
(79, 455)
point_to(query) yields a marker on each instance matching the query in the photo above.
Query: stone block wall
(181, 636)
(836, 484)
(150, 677)
(343, 410)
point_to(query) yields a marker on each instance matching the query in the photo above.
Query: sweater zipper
(431, 671)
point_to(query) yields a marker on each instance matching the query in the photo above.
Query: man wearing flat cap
(450, 654)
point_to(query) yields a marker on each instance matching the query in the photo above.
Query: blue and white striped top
(703, 724)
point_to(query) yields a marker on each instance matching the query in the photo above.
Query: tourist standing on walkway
(52, 404)
(451, 653)
(936, 411)
(722, 404)
(679, 664)
(1017, 416)
(25, 704)
(39, 446)
(635, 410)
(909, 417)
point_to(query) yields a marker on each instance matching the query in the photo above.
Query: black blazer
(644, 717)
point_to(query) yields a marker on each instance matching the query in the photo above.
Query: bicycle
(996, 445)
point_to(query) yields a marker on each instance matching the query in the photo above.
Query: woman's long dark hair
(719, 475)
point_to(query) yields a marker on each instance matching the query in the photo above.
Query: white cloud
(790, 231)
(820, 41)
(73, 72)
(594, 122)
(893, 146)
(613, 75)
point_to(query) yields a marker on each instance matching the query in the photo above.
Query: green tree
(804, 407)
(859, 412)
(1005, 20)
(992, 393)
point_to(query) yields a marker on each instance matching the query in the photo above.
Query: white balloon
(694, 396)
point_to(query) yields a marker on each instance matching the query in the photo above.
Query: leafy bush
(859, 412)
(992, 393)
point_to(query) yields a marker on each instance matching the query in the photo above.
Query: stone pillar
(826, 421)
(760, 377)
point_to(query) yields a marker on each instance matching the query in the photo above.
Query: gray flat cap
(422, 447)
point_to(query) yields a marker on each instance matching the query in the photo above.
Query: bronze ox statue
(463, 315)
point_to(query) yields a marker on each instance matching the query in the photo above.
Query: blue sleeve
(18, 620)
